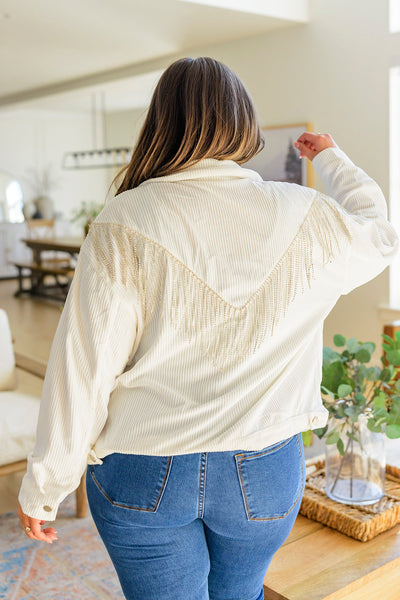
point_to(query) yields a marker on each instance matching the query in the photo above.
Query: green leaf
(344, 390)
(330, 355)
(320, 431)
(397, 335)
(387, 347)
(340, 446)
(373, 373)
(332, 437)
(397, 385)
(339, 340)
(351, 411)
(362, 370)
(325, 390)
(338, 410)
(362, 375)
(393, 417)
(392, 431)
(352, 436)
(388, 339)
(380, 414)
(361, 400)
(373, 427)
(386, 375)
(380, 401)
(370, 346)
(393, 356)
(395, 405)
(332, 375)
(307, 437)
(363, 356)
(352, 345)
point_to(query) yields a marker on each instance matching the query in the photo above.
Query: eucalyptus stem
(351, 462)
(373, 393)
(341, 466)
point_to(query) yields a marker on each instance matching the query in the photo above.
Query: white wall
(33, 140)
(123, 127)
(334, 73)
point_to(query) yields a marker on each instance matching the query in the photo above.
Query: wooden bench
(61, 271)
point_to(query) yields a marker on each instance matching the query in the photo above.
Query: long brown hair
(199, 109)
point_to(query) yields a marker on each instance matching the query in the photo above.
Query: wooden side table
(318, 563)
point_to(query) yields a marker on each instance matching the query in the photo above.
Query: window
(14, 202)
(394, 16)
(394, 140)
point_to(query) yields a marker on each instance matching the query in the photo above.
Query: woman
(188, 356)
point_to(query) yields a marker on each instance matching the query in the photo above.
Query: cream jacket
(194, 321)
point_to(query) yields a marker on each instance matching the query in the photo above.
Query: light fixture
(97, 158)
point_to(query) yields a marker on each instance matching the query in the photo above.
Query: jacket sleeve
(374, 241)
(95, 338)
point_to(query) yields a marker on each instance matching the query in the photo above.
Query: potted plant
(364, 404)
(86, 214)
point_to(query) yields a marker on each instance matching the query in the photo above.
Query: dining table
(69, 245)
(51, 269)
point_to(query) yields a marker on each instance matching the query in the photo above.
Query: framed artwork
(279, 160)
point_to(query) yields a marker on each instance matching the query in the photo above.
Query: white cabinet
(11, 247)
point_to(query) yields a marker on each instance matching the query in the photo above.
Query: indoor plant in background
(364, 404)
(86, 214)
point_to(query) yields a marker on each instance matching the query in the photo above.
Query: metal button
(47, 508)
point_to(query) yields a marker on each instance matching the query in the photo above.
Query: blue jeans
(196, 526)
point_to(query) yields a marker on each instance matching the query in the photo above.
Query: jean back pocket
(133, 481)
(271, 480)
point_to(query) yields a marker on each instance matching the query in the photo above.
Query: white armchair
(19, 412)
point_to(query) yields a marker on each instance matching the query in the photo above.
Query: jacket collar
(210, 168)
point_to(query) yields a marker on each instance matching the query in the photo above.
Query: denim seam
(119, 505)
(264, 453)
(242, 457)
(202, 484)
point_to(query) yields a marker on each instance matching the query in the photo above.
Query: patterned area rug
(76, 567)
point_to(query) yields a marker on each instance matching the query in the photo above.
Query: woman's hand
(33, 528)
(311, 144)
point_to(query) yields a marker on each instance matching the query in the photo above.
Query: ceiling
(128, 93)
(50, 48)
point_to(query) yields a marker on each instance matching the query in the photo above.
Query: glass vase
(357, 477)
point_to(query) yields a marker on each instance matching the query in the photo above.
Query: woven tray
(360, 522)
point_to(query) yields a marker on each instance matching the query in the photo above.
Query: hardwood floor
(33, 322)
